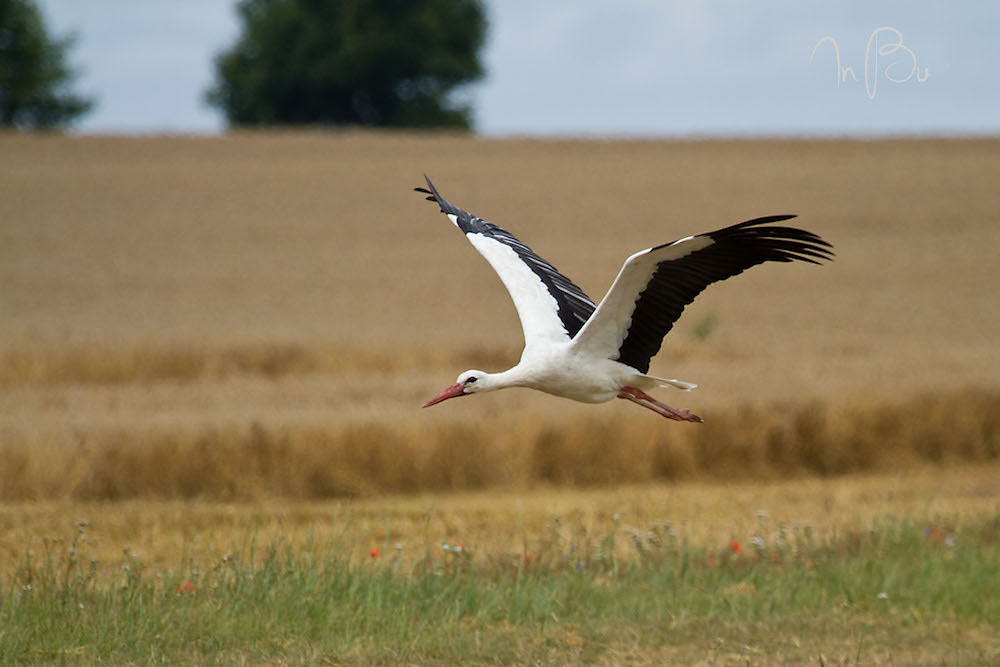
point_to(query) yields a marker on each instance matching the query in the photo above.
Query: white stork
(592, 354)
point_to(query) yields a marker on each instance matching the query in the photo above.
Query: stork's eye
(470, 380)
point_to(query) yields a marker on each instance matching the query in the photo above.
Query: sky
(603, 68)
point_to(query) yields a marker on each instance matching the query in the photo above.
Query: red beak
(451, 392)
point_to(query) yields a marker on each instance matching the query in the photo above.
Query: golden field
(261, 315)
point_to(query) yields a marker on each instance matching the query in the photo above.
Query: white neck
(517, 376)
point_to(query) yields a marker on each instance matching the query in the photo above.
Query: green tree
(34, 76)
(352, 62)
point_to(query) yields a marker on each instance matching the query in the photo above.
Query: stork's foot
(645, 400)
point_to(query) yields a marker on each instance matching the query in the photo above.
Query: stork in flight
(593, 353)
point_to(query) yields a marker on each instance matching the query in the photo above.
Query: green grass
(903, 591)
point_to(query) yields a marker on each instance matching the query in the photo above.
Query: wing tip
(790, 243)
(433, 195)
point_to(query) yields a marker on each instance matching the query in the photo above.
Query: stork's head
(467, 383)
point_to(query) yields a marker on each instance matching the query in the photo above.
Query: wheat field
(261, 315)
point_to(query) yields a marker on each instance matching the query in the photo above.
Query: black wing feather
(575, 307)
(676, 283)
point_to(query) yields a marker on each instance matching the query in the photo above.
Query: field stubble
(261, 315)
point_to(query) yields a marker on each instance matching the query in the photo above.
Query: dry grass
(260, 315)
(501, 524)
(307, 456)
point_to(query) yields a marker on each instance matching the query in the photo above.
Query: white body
(561, 369)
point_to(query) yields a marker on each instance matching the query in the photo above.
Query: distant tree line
(344, 62)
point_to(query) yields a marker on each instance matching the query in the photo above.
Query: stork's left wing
(655, 285)
(551, 307)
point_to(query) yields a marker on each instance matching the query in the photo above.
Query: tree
(34, 76)
(353, 62)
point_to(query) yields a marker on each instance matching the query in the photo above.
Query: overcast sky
(603, 68)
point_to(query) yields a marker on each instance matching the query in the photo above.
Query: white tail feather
(678, 384)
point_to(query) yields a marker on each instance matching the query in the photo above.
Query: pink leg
(640, 397)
